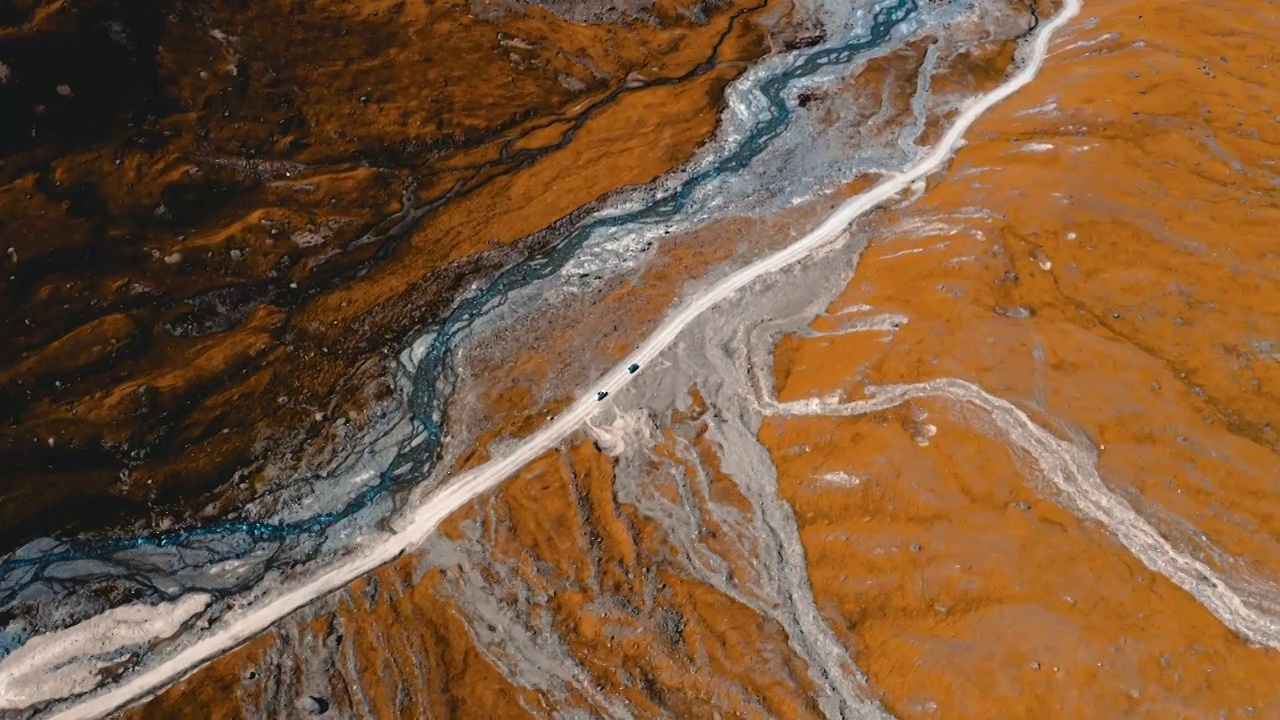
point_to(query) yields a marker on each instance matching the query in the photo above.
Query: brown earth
(208, 213)
(1111, 286)
(643, 626)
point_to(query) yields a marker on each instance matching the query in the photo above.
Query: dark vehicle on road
(634, 367)
(601, 395)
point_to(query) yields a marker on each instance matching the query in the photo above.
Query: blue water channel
(434, 377)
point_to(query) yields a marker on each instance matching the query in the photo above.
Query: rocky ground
(220, 217)
(1007, 451)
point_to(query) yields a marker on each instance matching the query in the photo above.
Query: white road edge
(414, 527)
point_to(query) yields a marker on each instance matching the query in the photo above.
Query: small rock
(1016, 312)
(313, 705)
(1035, 665)
(1041, 259)
(915, 547)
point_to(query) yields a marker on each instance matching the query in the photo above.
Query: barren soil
(1084, 284)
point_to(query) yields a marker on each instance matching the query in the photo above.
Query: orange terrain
(1019, 461)
(1098, 255)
